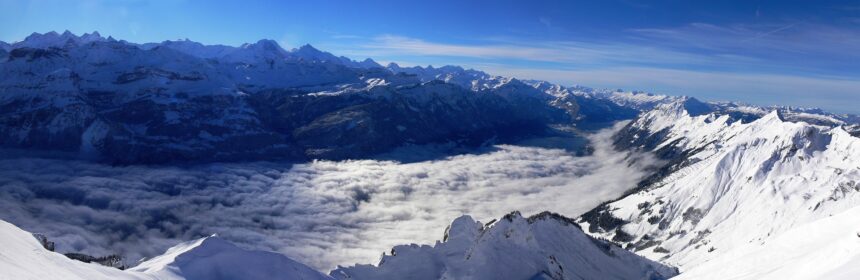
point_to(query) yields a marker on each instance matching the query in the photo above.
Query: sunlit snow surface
(321, 213)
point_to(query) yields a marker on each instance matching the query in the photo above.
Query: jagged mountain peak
(772, 117)
(308, 52)
(266, 45)
(53, 39)
(307, 48)
(91, 36)
(685, 105)
(370, 61)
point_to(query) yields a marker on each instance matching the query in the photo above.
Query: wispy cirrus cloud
(786, 63)
(568, 53)
(796, 39)
(830, 92)
(799, 47)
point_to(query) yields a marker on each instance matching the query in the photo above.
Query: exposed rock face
(114, 261)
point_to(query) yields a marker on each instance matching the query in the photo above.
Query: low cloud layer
(321, 213)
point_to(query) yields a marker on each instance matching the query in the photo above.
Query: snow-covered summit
(56, 40)
(543, 246)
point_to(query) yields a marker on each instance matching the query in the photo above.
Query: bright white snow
(825, 249)
(211, 258)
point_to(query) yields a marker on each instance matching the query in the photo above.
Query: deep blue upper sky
(804, 53)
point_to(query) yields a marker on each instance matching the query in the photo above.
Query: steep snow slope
(211, 258)
(24, 258)
(544, 246)
(825, 249)
(728, 184)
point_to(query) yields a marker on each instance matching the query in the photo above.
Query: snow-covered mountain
(56, 40)
(593, 109)
(468, 78)
(543, 246)
(606, 105)
(265, 49)
(210, 258)
(728, 184)
(180, 100)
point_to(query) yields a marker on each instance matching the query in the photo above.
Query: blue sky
(804, 53)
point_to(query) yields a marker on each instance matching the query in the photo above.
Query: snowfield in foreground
(211, 258)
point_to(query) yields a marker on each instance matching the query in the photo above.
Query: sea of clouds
(322, 213)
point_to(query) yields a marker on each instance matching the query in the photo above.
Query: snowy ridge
(638, 100)
(211, 258)
(544, 246)
(739, 184)
(471, 79)
(55, 40)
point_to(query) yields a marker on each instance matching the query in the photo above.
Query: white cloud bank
(322, 213)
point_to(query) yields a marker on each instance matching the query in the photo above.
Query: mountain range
(741, 191)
